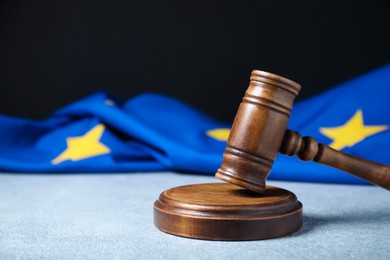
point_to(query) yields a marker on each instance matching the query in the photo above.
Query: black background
(55, 52)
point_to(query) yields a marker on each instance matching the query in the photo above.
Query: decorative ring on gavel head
(258, 130)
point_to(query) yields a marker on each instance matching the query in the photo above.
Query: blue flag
(102, 134)
(152, 132)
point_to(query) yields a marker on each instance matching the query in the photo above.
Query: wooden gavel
(259, 132)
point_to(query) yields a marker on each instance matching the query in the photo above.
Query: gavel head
(258, 130)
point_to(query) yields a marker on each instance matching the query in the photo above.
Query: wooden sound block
(222, 211)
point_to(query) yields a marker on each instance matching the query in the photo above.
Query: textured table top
(105, 216)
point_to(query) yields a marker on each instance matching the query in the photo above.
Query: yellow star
(352, 132)
(83, 147)
(221, 134)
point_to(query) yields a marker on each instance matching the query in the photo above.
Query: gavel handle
(307, 149)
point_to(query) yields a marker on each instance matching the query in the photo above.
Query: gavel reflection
(259, 132)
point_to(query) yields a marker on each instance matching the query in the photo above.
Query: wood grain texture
(259, 132)
(222, 211)
(307, 149)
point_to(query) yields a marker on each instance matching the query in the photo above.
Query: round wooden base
(222, 211)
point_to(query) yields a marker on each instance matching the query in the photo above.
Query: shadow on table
(311, 222)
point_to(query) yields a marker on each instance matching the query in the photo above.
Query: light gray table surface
(110, 216)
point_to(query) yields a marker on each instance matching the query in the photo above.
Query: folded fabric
(101, 134)
(151, 132)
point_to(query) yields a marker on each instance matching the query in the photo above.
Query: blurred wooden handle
(307, 149)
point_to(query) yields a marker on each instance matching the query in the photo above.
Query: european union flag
(152, 132)
(102, 134)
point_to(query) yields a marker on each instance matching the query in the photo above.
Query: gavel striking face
(259, 132)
